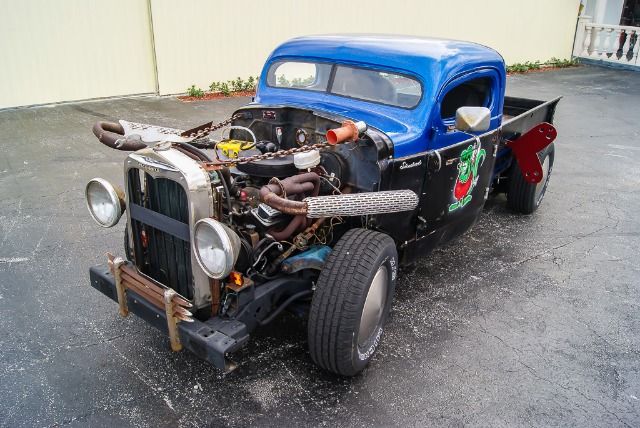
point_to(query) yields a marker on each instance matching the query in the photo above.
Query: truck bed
(521, 114)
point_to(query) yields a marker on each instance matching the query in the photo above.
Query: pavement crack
(100, 342)
(300, 387)
(71, 420)
(551, 249)
(13, 222)
(533, 372)
(93, 113)
(140, 374)
(37, 197)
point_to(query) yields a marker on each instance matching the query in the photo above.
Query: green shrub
(521, 68)
(237, 85)
(553, 62)
(561, 63)
(224, 89)
(533, 65)
(195, 92)
(250, 84)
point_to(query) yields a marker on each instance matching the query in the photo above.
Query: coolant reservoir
(306, 160)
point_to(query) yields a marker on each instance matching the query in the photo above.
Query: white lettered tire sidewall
(363, 353)
(336, 315)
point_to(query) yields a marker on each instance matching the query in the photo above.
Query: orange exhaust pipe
(349, 131)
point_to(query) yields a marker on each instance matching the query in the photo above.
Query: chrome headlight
(105, 202)
(216, 247)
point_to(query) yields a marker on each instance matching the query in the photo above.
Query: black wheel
(525, 197)
(352, 300)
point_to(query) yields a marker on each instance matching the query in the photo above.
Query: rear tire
(351, 304)
(524, 197)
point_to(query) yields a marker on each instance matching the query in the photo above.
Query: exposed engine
(287, 208)
(285, 184)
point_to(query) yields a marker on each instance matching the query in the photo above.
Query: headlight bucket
(104, 201)
(216, 247)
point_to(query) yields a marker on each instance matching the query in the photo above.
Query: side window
(472, 93)
(299, 75)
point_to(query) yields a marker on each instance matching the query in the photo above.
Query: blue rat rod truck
(358, 154)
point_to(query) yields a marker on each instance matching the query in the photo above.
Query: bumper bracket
(212, 340)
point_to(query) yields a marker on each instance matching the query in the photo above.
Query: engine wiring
(227, 302)
(336, 189)
(323, 236)
(276, 243)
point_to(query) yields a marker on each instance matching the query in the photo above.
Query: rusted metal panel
(174, 305)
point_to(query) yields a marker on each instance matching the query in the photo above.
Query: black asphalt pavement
(524, 321)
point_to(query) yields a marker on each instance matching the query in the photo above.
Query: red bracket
(526, 149)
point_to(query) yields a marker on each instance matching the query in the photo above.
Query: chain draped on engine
(204, 130)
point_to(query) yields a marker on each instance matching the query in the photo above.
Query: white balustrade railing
(611, 43)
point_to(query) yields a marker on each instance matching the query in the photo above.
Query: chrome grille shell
(171, 164)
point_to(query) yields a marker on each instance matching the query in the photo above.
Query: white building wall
(52, 51)
(80, 49)
(200, 41)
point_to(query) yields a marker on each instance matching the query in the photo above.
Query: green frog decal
(470, 160)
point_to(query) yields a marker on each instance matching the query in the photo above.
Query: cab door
(479, 88)
(456, 185)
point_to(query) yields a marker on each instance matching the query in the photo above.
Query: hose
(275, 193)
(263, 277)
(112, 135)
(283, 306)
(187, 153)
(227, 196)
(248, 248)
(279, 245)
(196, 151)
(261, 242)
(205, 157)
(298, 223)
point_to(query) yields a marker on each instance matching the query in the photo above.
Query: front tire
(525, 197)
(351, 304)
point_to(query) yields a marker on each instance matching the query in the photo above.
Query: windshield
(365, 84)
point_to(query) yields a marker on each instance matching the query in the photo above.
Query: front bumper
(212, 340)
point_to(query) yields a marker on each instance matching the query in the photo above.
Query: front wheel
(352, 300)
(525, 197)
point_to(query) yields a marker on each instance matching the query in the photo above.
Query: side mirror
(473, 119)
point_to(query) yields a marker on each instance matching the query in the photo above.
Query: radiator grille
(157, 253)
